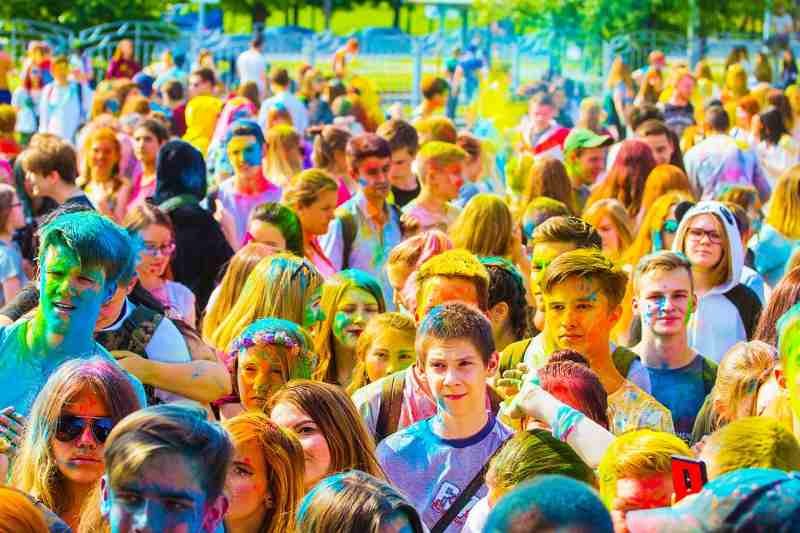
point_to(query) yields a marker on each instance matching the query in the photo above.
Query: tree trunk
(296, 12)
(259, 14)
(396, 20)
(327, 8)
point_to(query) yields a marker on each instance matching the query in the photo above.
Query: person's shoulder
(407, 438)
(368, 392)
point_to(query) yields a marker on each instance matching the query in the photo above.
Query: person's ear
(492, 364)
(615, 315)
(131, 284)
(105, 497)
(635, 304)
(780, 377)
(214, 513)
(53, 176)
(498, 313)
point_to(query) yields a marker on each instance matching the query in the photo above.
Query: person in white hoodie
(727, 310)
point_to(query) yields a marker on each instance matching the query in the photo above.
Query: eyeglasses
(670, 226)
(697, 234)
(164, 249)
(70, 427)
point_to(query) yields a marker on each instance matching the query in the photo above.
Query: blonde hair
(586, 263)
(438, 153)
(333, 290)
(753, 442)
(377, 324)
(307, 186)
(742, 371)
(230, 288)
(350, 444)
(784, 205)
(282, 160)
(616, 212)
(35, 471)
(280, 286)
(285, 465)
(484, 227)
(620, 72)
(100, 134)
(19, 514)
(591, 114)
(661, 180)
(636, 454)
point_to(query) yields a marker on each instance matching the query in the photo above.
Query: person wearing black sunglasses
(60, 461)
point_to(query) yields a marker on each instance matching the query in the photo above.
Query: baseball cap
(583, 138)
(751, 499)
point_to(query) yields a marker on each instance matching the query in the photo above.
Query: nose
(145, 518)
(261, 382)
(450, 377)
(86, 438)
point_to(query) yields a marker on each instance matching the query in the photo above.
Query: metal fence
(384, 52)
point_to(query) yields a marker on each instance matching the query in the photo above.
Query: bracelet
(565, 421)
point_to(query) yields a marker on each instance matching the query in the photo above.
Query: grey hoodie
(716, 324)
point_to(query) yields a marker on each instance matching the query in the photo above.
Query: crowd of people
(280, 307)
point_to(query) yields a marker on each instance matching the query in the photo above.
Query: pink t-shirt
(343, 193)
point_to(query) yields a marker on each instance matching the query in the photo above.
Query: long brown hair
(484, 227)
(625, 181)
(350, 444)
(784, 296)
(285, 465)
(548, 177)
(663, 179)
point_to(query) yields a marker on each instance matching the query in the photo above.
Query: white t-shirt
(251, 65)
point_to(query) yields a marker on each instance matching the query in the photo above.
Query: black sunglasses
(70, 427)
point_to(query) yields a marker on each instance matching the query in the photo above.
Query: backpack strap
(391, 403)
(709, 375)
(747, 303)
(349, 233)
(623, 359)
(464, 497)
(177, 201)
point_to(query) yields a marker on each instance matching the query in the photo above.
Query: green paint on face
(341, 321)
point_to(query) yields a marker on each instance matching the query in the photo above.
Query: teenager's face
(704, 241)
(401, 166)
(391, 351)
(444, 181)
(315, 446)
(267, 234)
(684, 87)
(578, 316)
(145, 146)
(157, 252)
(456, 374)
(316, 217)
(259, 375)
(16, 218)
(80, 460)
(587, 165)
(541, 115)
(441, 289)
(543, 254)
(609, 235)
(661, 147)
(103, 155)
(198, 86)
(245, 154)
(246, 483)
(355, 309)
(71, 295)
(665, 301)
(372, 175)
(633, 494)
(166, 495)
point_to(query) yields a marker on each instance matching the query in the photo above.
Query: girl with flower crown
(266, 355)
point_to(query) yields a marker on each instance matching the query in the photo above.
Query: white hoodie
(716, 325)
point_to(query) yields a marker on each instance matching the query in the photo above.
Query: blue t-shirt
(433, 471)
(681, 390)
(22, 375)
(10, 265)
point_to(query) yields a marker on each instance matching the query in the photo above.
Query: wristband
(565, 421)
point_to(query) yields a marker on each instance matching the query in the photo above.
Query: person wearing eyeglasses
(155, 229)
(726, 310)
(60, 461)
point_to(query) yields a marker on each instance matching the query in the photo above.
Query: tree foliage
(80, 14)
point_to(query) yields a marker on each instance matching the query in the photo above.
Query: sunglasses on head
(70, 427)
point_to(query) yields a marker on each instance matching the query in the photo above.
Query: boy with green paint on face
(81, 256)
(585, 160)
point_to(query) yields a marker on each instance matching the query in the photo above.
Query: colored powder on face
(340, 322)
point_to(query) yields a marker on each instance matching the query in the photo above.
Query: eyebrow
(162, 492)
